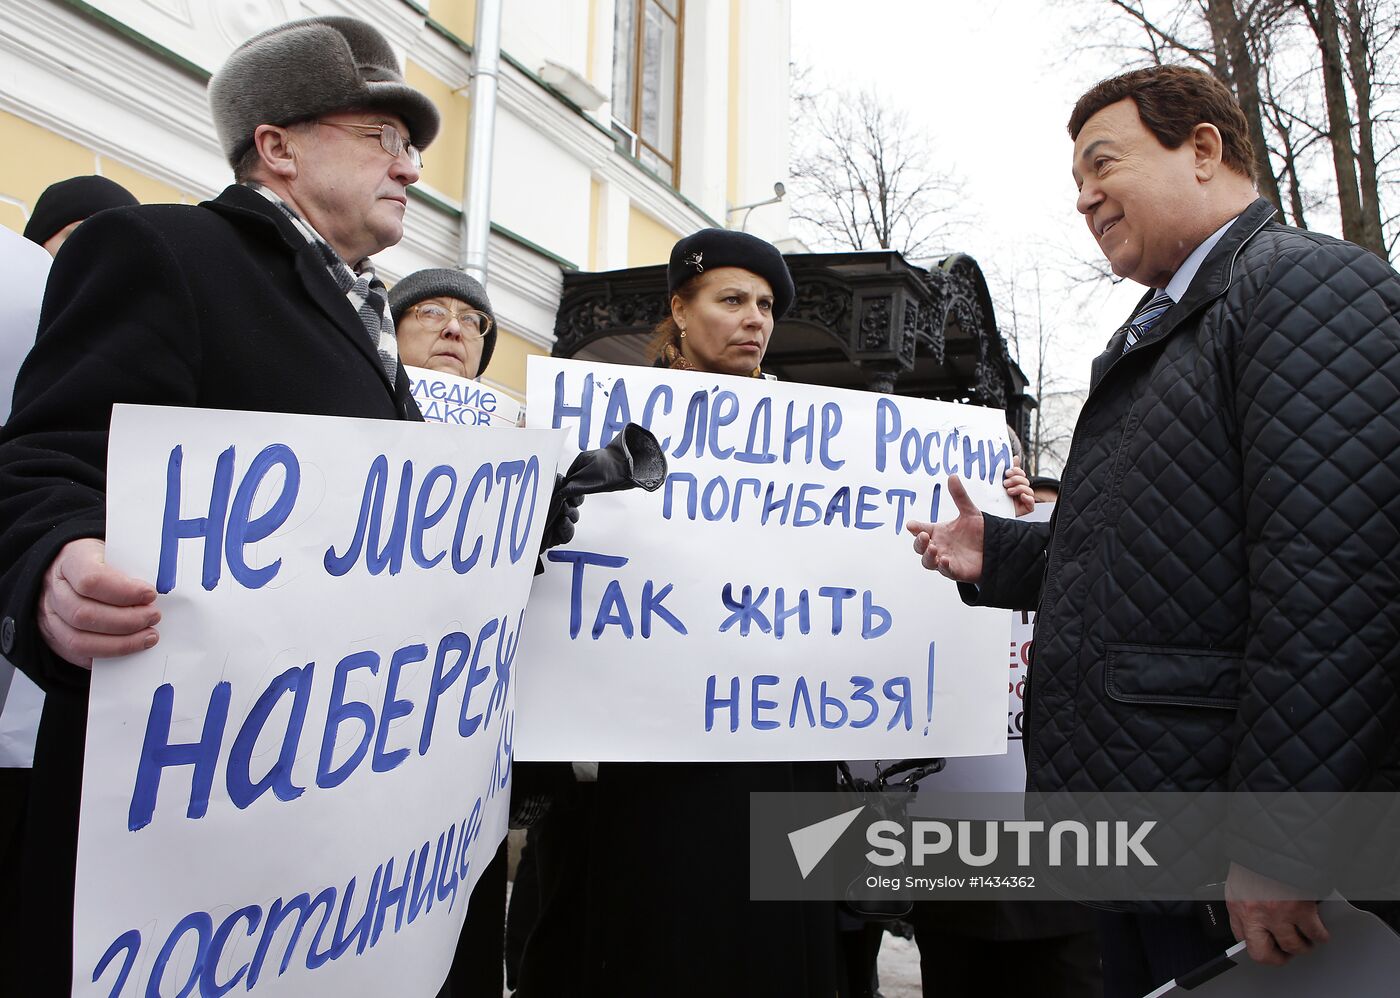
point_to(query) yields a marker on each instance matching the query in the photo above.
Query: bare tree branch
(1319, 81)
(861, 177)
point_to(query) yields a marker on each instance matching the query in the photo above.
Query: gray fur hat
(439, 282)
(303, 69)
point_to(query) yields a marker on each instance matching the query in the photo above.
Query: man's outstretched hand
(87, 609)
(953, 549)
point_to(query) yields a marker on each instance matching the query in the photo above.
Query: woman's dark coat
(644, 881)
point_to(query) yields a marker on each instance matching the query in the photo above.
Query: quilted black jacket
(1220, 607)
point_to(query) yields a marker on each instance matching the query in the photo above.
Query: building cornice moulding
(530, 102)
(37, 41)
(527, 100)
(534, 278)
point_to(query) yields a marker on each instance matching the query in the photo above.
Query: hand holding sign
(87, 609)
(1018, 487)
(952, 549)
(560, 527)
(1270, 917)
(341, 610)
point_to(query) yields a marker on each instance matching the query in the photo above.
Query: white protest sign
(1007, 771)
(1361, 957)
(446, 398)
(294, 792)
(766, 603)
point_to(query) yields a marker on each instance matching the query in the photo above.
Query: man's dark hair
(1172, 100)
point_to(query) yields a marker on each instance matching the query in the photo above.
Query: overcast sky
(991, 86)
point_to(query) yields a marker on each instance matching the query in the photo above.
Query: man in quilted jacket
(1220, 605)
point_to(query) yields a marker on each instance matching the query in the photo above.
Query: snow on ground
(899, 968)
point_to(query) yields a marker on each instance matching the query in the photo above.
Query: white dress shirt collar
(1186, 273)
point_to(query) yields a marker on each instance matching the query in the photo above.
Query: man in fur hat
(261, 299)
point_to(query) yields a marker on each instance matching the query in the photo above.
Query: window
(646, 82)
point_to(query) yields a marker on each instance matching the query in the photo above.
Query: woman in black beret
(726, 290)
(653, 894)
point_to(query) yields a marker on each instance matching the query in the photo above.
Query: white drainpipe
(475, 230)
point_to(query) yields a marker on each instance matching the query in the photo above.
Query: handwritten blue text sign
(294, 792)
(766, 602)
(446, 398)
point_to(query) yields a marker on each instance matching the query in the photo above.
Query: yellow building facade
(621, 125)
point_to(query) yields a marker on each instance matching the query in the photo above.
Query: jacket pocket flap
(1185, 677)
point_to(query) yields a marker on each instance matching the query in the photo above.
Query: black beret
(712, 248)
(73, 200)
(440, 282)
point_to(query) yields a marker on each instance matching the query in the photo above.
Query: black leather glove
(560, 528)
(634, 460)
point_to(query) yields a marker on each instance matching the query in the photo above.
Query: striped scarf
(360, 285)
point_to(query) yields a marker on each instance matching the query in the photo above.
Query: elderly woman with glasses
(444, 322)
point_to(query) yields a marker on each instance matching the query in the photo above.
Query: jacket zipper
(1050, 572)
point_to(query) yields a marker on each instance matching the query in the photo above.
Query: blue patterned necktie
(1144, 318)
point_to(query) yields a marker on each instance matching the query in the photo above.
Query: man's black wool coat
(223, 305)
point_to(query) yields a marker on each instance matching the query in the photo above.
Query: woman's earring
(682, 332)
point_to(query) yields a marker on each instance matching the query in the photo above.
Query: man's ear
(277, 150)
(1209, 150)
